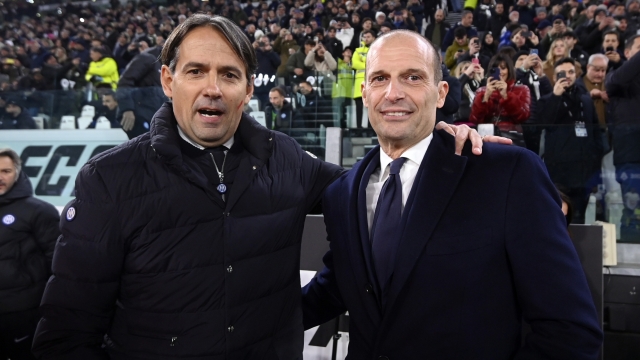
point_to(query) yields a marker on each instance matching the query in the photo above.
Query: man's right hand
(128, 119)
(298, 71)
(560, 87)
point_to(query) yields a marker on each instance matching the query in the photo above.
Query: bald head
(403, 35)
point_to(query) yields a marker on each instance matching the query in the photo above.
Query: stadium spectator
(102, 69)
(322, 64)
(342, 91)
(296, 70)
(557, 51)
(593, 82)
(482, 14)
(358, 62)
(27, 237)
(610, 44)
(501, 102)
(623, 89)
(529, 73)
(575, 51)
(475, 52)
(466, 23)
(488, 45)
(16, 116)
(457, 49)
(573, 143)
(498, 20)
(268, 62)
(524, 40)
(437, 30)
(285, 46)
(471, 77)
(279, 113)
(592, 35)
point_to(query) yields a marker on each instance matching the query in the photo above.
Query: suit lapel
(358, 236)
(435, 183)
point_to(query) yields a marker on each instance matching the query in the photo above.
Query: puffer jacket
(28, 233)
(150, 258)
(504, 113)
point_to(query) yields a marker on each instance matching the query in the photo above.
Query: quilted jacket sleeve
(80, 297)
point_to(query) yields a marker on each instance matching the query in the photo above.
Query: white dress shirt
(414, 156)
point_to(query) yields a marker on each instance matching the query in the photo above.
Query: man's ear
(166, 78)
(250, 89)
(443, 90)
(363, 90)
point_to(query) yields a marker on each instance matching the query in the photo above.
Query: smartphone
(495, 73)
(608, 49)
(315, 38)
(475, 60)
(561, 75)
(533, 51)
(526, 34)
(475, 42)
(460, 50)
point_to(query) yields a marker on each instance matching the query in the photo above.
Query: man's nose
(213, 89)
(394, 91)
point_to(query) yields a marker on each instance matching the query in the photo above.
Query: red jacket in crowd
(505, 113)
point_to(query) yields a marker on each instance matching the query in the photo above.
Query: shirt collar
(186, 138)
(414, 153)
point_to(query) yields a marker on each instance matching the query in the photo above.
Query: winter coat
(23, 121)
(571, 160)
(504, 113)
(155, 260)
(28, 234)
(358, 62)
(623, 88)
(105, 68)
(140, 90)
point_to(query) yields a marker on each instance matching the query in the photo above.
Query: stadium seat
(68, 122)
(103, 123)
(260, 117)
(89, 111)
(84, 121)
(254, 104)
(39, 122)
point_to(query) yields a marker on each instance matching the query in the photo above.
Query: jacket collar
(21, 189)
(165, 139)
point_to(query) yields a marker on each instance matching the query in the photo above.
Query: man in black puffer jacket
(139, 92)
(176, 247)
(28, 234)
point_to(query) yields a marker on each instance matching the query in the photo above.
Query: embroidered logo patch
(71, 213)
(8, 219)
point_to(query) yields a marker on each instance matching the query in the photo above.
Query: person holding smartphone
(502, 102)
(573, 140)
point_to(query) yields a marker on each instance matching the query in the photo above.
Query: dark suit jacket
(484, 245)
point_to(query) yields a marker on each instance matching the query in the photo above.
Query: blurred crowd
(558, 77)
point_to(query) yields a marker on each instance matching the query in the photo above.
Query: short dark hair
(460, 32)
(15, 158)
(611, 32)
(499, 59)
(629, 42)
(236, 38)
(436, 61)
(279, 89)
(310, 42)
(466, 12)
(369, 32)
(565, 60)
